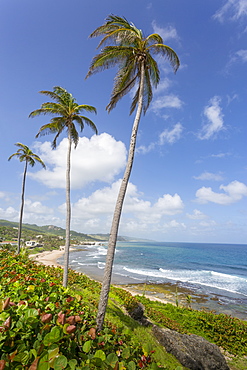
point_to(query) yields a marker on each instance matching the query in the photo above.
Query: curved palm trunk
(21, 209)
(117, 213)
(68, 215)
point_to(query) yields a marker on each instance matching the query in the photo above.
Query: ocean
(213, 270)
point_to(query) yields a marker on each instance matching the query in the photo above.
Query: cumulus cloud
(232, 10)
(233, 192)
(209, 176)
(9, 214)
(166, 101)
(96, 210)
(167, 33)
(99, 158)
(173, 224)
(167, 136)
(215, 123)
(197, 215)
(171, 136)
(34, 212)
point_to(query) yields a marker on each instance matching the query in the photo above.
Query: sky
(188, 182)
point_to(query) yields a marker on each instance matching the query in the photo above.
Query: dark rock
(137, 312)
(192, 351)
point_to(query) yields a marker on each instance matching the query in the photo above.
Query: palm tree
(67, 112)
(25, 155)
(126, 47)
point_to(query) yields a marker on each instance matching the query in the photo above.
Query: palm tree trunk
(117, 213)
(68, 215)
(21, 209)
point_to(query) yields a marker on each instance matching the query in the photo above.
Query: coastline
(48, 258)
(173, 293)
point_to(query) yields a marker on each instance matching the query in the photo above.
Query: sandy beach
(48, 258)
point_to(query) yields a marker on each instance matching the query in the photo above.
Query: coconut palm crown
(130, 51)
(67, 111)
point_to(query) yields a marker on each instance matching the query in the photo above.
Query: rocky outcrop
(192, 351)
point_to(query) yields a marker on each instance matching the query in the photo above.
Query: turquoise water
(212, 269)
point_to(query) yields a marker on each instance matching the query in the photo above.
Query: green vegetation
(46, 326)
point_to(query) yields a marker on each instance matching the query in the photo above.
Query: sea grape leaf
(100, 354)
(112, 359)
(33, 365)
(60, 362)
(126, 352)
(30, 312)
(72, 363)
(87, 346)
(131, 366)
(54, 336)
(22, 357)
(43, 362)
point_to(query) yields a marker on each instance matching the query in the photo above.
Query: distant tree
(24, 154)
(67, 112)
(128, 49)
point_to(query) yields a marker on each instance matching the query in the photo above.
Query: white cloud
(36, 207)
(232, 9)
(220, 155)
(233, 192)
(99, 158)
(166, 101)
(173, 224)
(9, 214)
(96, 211)
(213, 113)
(197, 215)
(239, 56)
(167, 33)
(167, 136)
(163, 85)
(209, 176)
(2, 194)
(171, 136)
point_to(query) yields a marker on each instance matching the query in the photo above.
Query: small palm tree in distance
(24, 154)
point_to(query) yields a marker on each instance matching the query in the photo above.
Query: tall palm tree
(67, 112)
(25, 155)
(126, 47)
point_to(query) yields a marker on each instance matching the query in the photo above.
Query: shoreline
(173, 293)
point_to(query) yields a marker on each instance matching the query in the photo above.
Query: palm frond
(153, 70)
(168, 53)
(90, 123)
(109, 57)
(74, 135)
(153, 38)
(87, 108)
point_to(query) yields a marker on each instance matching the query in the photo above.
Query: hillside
(34, 229)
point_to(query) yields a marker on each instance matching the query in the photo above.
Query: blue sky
(189, 179)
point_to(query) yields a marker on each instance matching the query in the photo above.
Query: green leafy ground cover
(45, 326)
